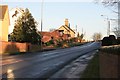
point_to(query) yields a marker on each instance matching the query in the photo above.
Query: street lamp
(41, 21)
(108, 22)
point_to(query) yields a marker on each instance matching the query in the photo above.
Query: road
(43, 64)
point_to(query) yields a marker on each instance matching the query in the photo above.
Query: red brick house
(55, 35)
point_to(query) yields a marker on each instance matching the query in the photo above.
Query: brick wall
(33, 48)
(11, 47)
(109, 65)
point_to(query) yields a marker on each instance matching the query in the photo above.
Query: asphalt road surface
(43, 64)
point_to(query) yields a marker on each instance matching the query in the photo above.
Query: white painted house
(14, 13)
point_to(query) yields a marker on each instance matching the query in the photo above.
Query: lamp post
(41, 21)
(108, 22)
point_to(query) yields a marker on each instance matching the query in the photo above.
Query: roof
(45, 33)
(46, 36)
(19, 9)
(3, 9)
(52, 33)
(67, 28)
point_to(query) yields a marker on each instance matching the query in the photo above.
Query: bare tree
(113, 5)
(97, 36)
(110, 4)
(117, 31)
(80, 36)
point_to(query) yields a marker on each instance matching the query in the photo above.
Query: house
(14, 14)
(55, 35)
(4, 22)
(67, 30)
(46, 36)
(63, 33)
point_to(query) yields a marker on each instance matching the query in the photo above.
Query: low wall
(109, 59)
(33, 48)
(12, 47)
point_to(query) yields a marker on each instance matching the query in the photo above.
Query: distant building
(15, 13)
(4, 22)
(67, 30)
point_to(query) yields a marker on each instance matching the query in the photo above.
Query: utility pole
(82, 30)
(76, 31)
(41, 22)
(108, 23)
(108, 31)
(76, 28)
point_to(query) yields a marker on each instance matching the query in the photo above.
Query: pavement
(75, 68)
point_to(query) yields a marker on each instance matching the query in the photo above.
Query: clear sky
(84, 14)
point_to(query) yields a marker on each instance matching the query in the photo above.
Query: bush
(118, 40)
(106, 41)
(59, 43)
(111, 49)
(111, 40)
(72, 40)
(51, 42)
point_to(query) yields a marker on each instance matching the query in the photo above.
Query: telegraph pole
(41, 22)
(108, 31)
(108, 23)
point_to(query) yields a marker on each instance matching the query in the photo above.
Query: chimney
(66, 22)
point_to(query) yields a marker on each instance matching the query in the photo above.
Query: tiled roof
(45, 33)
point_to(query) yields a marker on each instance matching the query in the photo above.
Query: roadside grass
(92, 69)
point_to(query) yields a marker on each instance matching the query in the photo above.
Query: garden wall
(12, 47)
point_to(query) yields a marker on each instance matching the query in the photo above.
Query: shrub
(59, 43)
(106, 41)
(111, 49)
(118, 40)
(111, 40)
(51, 42)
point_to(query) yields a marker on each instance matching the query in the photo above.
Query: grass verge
(92, 69)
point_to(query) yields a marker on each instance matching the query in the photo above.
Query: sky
(83, 13)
